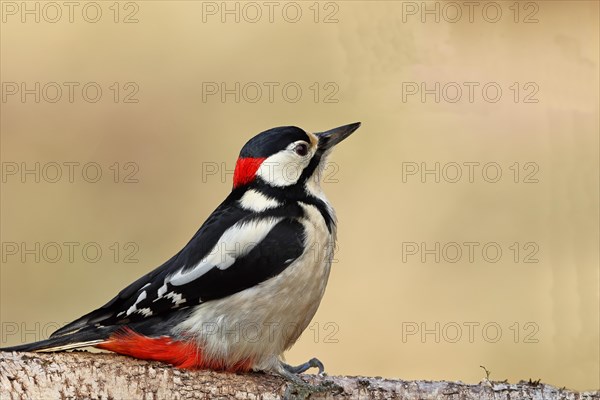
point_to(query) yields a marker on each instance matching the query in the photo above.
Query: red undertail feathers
(181, 354)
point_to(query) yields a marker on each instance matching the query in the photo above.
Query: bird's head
(287, 156)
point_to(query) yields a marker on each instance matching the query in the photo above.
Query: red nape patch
(181, 354)
(245, 170)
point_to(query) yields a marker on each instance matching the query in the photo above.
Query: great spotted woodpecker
(249, 281)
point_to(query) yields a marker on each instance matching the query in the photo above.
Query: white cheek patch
(283, 168)
(236, 242)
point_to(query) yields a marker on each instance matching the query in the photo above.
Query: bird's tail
(69, 341)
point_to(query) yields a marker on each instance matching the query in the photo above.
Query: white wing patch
(146, 312)
(236, 242)
(256, 201)
(134, 308)
(162, 290)
(176, 297)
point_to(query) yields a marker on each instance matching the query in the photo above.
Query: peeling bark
(82, 375)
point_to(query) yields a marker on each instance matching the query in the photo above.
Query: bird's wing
(240, 251)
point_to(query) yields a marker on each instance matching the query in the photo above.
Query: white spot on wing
(146, 312)
(133, 308)
(162, 290)
(237, 241)
(176, 297)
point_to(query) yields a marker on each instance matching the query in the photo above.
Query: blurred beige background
(519, 319)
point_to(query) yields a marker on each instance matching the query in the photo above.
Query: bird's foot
(312, 363)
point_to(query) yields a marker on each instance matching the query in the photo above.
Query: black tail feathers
(89, 337)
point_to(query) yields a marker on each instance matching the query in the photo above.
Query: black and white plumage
(259, 264)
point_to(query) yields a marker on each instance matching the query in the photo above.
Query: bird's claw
(312, 363)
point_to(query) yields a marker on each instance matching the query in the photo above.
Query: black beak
(332, 137)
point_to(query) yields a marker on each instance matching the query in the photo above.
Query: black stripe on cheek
(296, 193)
(322, 207)
(320, 204)
(310, 168)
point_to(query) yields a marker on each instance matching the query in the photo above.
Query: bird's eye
(301, 149)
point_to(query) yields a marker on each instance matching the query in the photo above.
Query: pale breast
(261, 322)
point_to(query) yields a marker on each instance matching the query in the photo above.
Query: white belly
(261, 322)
